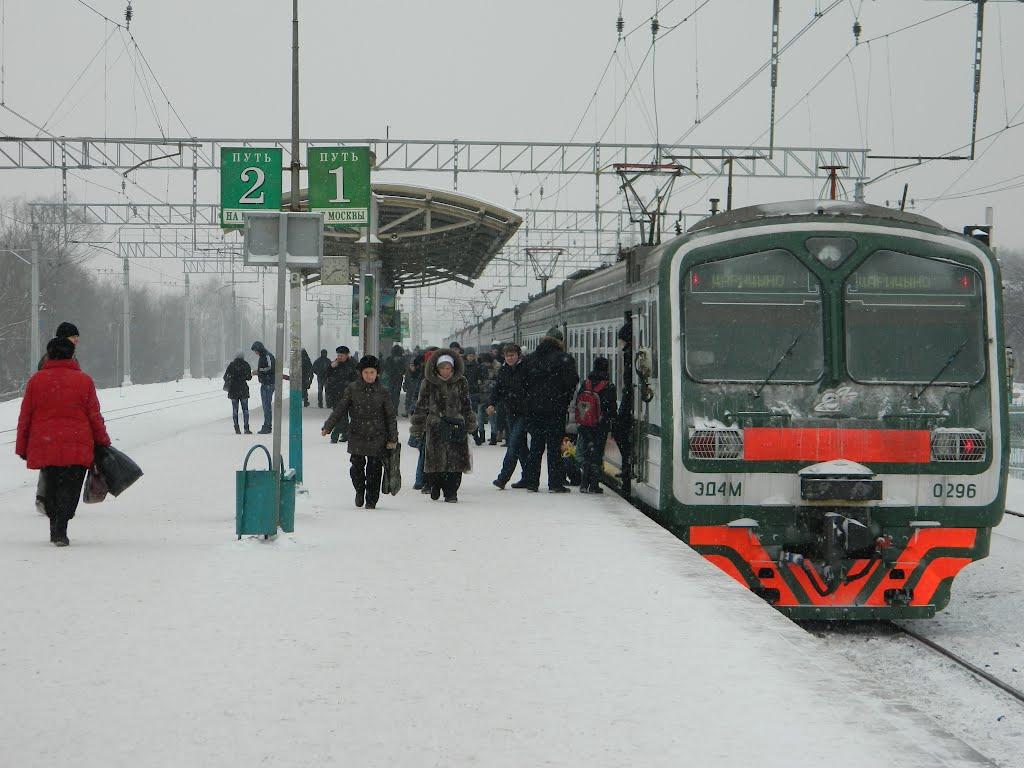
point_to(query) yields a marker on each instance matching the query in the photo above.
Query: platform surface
(512, 629)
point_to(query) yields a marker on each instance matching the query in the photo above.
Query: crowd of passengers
(452, 396)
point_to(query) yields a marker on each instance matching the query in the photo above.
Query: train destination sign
(339, 185)
(767, 272)
(250, 180)
(888, 272)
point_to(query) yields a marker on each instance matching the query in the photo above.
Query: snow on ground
(135, 415)
(512, 629)
(983, 624)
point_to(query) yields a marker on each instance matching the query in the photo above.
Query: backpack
(588, 405)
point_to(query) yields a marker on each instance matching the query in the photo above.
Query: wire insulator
(620, 24)
(857, 29)
(655, 26)
(128, 13)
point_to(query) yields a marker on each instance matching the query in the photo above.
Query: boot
(59, 533)
(360, 496)
(435, 492)
(596, 488)
(247, 431)
(237, 430)
(493, 440)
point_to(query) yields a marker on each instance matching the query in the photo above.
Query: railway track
(138, 409)
(960, 661)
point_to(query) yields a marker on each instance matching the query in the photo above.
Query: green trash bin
(255, 499)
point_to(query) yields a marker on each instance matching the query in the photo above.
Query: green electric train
(814, 397)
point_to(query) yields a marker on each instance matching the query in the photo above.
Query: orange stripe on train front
(894, 446)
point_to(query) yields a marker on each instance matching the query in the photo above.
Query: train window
(913, 319)
(753, 318)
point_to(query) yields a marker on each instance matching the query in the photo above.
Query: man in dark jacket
(551, 381)
(394, 372)
(591, 438)
(320, 368)
(340, 374)
(373, 428)
(265, 375)
(474, 374)
(509, 397)
(307, 377)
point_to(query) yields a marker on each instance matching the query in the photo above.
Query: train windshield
(753, 318)
(915, 320)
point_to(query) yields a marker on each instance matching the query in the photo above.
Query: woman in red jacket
(58, 428)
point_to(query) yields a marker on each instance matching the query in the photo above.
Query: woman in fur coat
(443, 421)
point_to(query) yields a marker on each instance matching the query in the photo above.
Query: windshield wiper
(942, 370)
(778, 364)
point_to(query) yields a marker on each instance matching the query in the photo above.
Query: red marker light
(965, 281)
(694, 279)
(969, 447)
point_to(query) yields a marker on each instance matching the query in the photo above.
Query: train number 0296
(954, 490)
(711, 488)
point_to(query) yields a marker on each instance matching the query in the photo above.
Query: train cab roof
(767, 211)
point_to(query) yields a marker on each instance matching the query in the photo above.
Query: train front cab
(839, 394)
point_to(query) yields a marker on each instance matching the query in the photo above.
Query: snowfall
(511, 629)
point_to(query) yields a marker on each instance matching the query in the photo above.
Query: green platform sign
(339, 184)
(250, 180)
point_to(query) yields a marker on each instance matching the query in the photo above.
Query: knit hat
(369, 361)
(446, 359)
(555, 333)
(60, 349)
(601, 364)
(342, 350)
(66, 331)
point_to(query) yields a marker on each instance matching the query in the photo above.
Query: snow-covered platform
(512, 629)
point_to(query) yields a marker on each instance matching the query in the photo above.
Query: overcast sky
(482, 69)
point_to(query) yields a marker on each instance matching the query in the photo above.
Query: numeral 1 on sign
(339, 185)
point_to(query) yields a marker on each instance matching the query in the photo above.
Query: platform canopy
(427, 236)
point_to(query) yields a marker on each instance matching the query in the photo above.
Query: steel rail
(961, 661)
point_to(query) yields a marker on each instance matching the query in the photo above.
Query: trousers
(319, 392)
(267, 396)
(590, 452)
(62, 488)
(245, 411)
(366, 473)
(545, 435)
(516, 452)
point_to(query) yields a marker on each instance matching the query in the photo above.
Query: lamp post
(33, 262)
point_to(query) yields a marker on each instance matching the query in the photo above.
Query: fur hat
(555, 332)
(342, 350)
(369, 361)
(66, 331)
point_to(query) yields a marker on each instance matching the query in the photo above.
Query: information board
(339, 185)
(250, 180)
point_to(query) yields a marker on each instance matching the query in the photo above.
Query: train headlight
(716, 444)
(958, 445)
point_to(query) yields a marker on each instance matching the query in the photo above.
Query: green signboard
(339, 184)
(250, 180)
